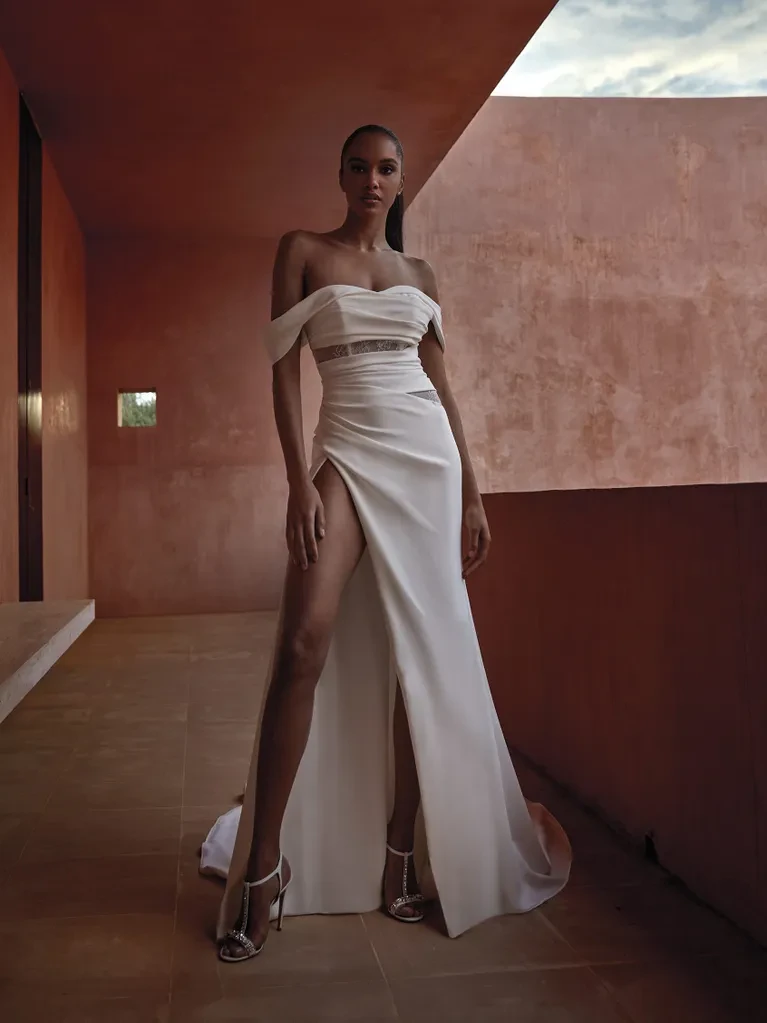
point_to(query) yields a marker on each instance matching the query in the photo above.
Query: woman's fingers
(479, 545)
(472, 548)
(290, 537)
(299, 549)
(310, 538)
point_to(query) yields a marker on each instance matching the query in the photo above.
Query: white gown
(405, 614)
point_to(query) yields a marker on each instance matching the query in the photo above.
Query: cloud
(645, 48)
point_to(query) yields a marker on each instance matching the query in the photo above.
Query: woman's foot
(402, 896)
(261, 898)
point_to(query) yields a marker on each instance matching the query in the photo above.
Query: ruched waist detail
(356, 376)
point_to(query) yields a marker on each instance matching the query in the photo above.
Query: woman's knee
(303, 651)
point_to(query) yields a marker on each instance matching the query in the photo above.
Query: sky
(645, 48)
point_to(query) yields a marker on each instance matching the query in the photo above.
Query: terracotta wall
(602, 270)
(65, 456)
(65, 436)
(187, 516)
(9, 207)
(623, 634)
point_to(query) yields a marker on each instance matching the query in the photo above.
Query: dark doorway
(30, 359)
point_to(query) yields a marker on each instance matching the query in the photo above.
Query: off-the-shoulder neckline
(356, 287)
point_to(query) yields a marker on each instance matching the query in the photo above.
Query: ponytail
(394, 224)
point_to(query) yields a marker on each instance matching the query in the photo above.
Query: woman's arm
(474, 518)
(306, 516)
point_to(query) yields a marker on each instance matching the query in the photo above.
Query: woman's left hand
(478, 534)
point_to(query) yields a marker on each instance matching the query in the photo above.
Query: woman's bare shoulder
(424, 274)
(298, 241)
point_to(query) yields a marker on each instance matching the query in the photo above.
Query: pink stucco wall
(65, 435)
(602, 266)
(189, 515)
(65, 461)
(9, 208)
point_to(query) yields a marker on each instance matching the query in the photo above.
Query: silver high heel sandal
(405, 899)
(240, 935)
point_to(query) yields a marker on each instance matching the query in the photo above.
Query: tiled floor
(112, 770)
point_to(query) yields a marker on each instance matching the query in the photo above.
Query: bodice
(344, 314)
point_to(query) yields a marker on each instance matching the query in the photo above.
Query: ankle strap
(275, 873)
(398, 853)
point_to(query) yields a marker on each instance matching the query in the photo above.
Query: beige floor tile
(90, 955)
(195, 955)
(197, 998)
(216, 738)
(15, 830)
(32, 1003)
(541, 996)
(524, 941)
(356, 1002)
(112, 681)
(237, 698)
(214, 781)
(42, 731)
(29, 719)
(309, 950)
(248, 663)
(136, 707)
(29, 776)
(97, 887)
(701, 990)
(112, 772)
(643, 923)
(123, 772)
(160, 736)
(218, 758)
(250, 631)
(81, 833)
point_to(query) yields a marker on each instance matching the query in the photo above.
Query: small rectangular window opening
(137, 408)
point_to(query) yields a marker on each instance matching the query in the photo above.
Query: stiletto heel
(281, 907)
(240, 934)
(405, 899)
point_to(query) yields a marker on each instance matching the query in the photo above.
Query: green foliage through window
(137, 408)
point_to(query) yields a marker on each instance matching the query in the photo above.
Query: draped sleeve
(283, 332)
(434, 312)
(436, 319)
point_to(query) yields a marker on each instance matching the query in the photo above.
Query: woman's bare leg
(311, 602)
(407, 795)
(407, 798)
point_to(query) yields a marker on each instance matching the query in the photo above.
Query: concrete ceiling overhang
(185, 117)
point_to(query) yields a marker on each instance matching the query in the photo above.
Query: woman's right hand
(305, 525)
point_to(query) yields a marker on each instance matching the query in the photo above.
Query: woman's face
(371, 175)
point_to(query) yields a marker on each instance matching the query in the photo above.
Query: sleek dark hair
(396, 215)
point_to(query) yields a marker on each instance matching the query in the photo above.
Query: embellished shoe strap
(239, 934)
(405, 899)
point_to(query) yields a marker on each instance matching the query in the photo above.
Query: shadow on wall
(623, 634)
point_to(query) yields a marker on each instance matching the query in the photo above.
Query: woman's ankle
(262, 861)
(400, 837)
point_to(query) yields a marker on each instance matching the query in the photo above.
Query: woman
(375, 610)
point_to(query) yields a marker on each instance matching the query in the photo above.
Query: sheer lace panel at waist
(360, 348)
